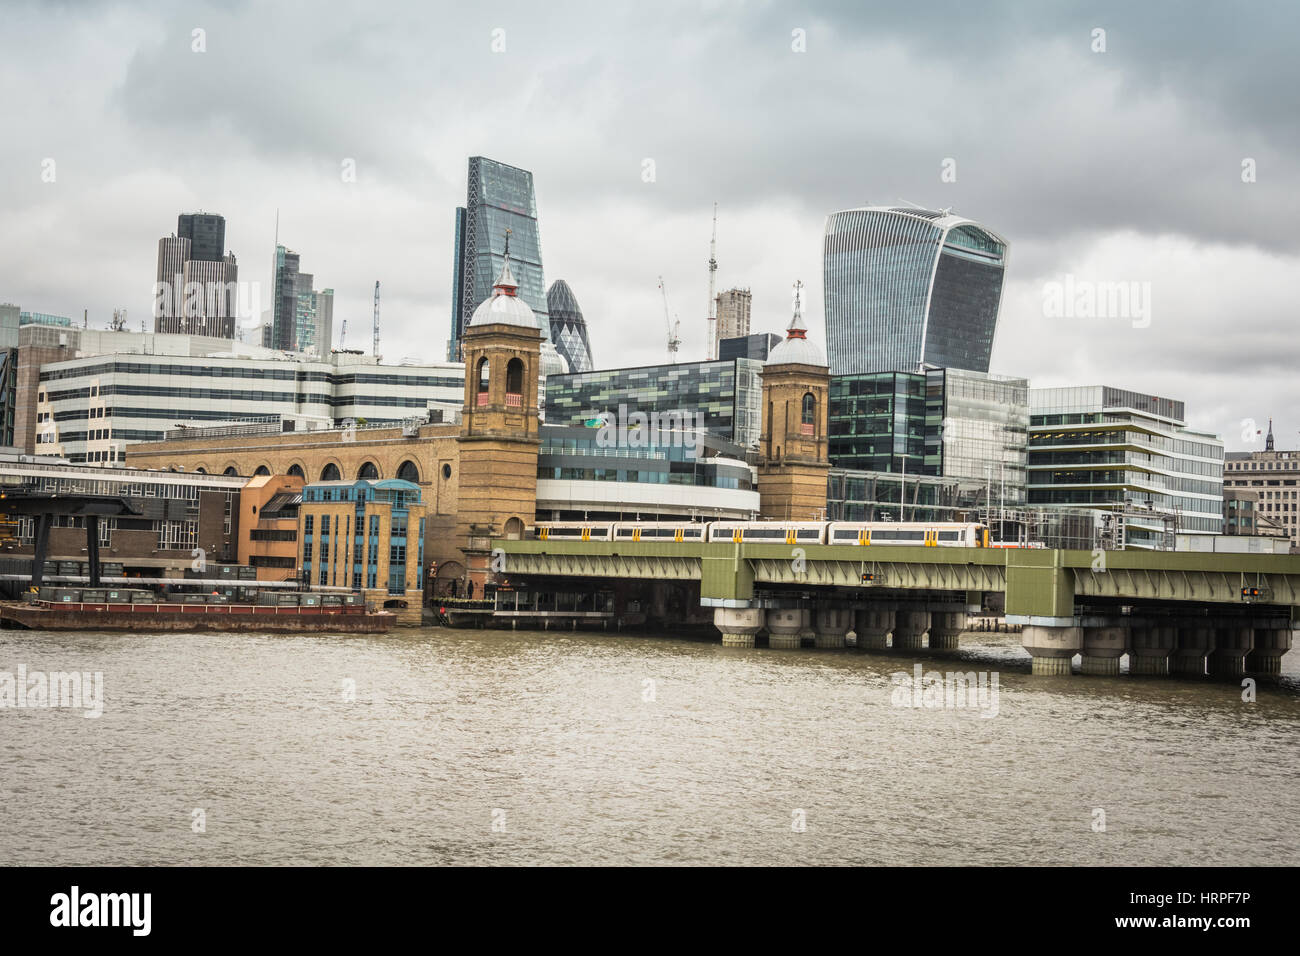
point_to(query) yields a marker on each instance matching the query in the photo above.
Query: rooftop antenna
(376, 318)
(713, 278)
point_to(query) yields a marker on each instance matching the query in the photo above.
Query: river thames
(438, 746)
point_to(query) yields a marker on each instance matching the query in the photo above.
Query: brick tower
(499, 436)
(793, 450)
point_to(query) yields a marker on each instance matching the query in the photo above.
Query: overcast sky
(1122, 165)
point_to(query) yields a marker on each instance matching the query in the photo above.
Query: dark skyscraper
(457, 288)
(498, 197)
(908, 286)
(568, 327)
(196, 290)
(206, 233)
(285, 304)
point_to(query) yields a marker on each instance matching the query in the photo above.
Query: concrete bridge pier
(909, 628)
(1052, 647)
(1103, 646)
(873, 624)
(830, 627)
(785, 625)
(945, 626)
(738, 625)
(1231, 645)
(1194, 644)
(1270, 644)
(807, 633)
(1149, 649)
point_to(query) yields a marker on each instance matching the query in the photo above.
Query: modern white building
(88, 408)
(1125, 452)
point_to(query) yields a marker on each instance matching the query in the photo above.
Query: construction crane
(713, 281)
(376, 318)
(674, 339)
(343, 335)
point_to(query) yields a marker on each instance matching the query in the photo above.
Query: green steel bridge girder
(1037, 582)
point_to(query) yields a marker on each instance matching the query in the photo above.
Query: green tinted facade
(728, 395)
(947, 423)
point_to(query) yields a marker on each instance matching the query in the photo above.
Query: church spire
(797, 330)
(506, 284)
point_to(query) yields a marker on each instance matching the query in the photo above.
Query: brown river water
(438, 746)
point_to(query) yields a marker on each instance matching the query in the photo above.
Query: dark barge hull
(43, 616)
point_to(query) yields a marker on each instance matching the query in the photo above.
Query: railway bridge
(1170, 612)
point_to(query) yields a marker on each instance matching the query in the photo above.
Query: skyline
(1108, 169)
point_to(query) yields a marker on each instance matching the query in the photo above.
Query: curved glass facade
(909, 286)
(568, 327)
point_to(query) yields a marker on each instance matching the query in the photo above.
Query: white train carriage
(769, 532)
(660, 531)
(573, 531)
(928, 534)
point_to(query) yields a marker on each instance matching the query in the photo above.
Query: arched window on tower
(368, 470)
(515, 383)
(808, 422)
(408, 471)
(483, 381)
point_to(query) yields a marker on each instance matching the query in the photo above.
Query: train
(929, 534)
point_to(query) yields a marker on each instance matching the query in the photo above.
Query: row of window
(281, 374)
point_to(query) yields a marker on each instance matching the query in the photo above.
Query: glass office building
(1126, 452)
(905, 287)
(499, 197)
(726, 396)
(206, 233)
(948, 423)
(756, 346)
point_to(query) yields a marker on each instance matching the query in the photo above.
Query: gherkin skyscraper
(568, 327)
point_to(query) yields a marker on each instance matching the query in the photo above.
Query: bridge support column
(1149, 649)
(1052, 648)
(872, 625)
(807, 634)
(831, 624)
(1270, 644)
(945, 626)
(784, 627)
(1102, 649)
(909, 627)
(738, 625)
(1231, 645)
(1195, 642)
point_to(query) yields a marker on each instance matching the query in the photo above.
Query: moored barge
(121, 609)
